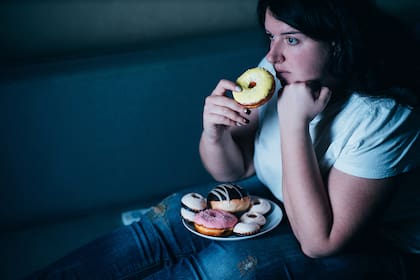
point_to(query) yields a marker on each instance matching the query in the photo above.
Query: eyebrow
(285, 33)
(290, 33)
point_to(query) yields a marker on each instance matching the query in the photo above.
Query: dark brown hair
(373, 52)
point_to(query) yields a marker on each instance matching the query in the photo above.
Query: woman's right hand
(222, 112)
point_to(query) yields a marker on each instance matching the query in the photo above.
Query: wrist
(293, 124)
(212, 138)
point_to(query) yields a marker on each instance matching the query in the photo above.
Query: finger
(224, 101)
(225, 113)
(324, 96)
(219, 119)
(225, 85)
(229, 114)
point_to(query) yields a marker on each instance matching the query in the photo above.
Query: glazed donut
(253, 217)
(229, 197)
(257, 86)
(215, 222)
(260, 205)
(194, 202)
(246, 228)
(188, 215)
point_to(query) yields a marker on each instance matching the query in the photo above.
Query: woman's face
(295, 56)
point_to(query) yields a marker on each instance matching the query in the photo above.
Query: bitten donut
(260, 205)
(229, 197)
(257, 87)
(194, 201)
(253, 217)
(246, 228)
(215, 222)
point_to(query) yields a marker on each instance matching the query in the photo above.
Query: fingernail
(247, 111)
(238, 88)
(246, 120)
(238, 124)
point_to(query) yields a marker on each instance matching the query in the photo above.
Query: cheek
(311, 65)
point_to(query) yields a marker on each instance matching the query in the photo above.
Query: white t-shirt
(364, 137)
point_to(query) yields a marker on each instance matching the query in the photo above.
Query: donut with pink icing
(215, 222)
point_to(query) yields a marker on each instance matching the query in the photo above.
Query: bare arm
(226, 144)
(324, 213)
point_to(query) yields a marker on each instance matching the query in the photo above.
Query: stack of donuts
(228, 209)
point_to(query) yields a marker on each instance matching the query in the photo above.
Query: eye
(270, 36)
(292, 41)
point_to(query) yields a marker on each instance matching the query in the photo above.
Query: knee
(224, 261)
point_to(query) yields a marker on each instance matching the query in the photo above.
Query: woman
(333, 146)
(327, 202)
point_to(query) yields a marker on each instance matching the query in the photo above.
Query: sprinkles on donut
(215, 222)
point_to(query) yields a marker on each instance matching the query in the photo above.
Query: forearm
(222, 157)
(305, 196)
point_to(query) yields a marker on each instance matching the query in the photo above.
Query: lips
(281, 72)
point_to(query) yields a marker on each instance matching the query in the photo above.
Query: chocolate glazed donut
(229, 197)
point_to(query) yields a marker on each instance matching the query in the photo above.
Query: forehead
(276, 26)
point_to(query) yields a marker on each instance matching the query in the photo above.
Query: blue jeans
(159, 247)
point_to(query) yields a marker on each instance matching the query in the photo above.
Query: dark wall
(41, 29)
(36, 30)
(93, 133)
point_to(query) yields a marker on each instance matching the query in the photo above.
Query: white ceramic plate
(273, 220)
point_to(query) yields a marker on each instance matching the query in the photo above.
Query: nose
(275, 54)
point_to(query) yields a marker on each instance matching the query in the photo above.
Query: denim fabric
(159, 247)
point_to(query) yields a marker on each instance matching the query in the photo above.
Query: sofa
(93, 129)
(100, 111)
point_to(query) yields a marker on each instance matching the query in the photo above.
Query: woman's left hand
(302, 101)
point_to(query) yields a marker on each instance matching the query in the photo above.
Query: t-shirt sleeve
(385, 143)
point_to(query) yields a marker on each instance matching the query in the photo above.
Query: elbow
(316, 250)
(232, 176)
(224, 177)
(314, 253)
